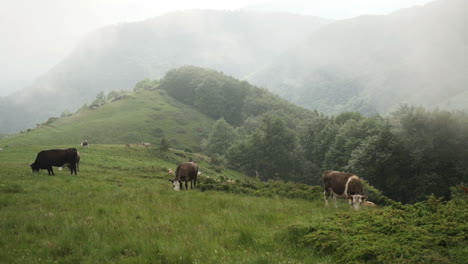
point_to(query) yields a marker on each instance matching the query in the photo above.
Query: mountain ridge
(415, 55)
(118, 56)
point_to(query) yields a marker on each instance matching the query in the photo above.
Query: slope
(120, 208)
(373, 63)
(143, 116)
(116, 57)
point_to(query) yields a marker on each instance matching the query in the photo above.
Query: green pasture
(120, 208)
(141, 117)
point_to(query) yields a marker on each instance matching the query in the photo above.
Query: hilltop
(146, 116)
(180, 107)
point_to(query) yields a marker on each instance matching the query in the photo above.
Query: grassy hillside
(121, 209)
(144, 116)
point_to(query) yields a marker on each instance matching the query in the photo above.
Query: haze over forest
(369, 64)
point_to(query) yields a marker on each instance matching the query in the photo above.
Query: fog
(36, 35)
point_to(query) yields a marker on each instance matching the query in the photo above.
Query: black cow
(45, 159)
(185, 172)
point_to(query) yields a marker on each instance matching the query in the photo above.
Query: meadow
(120, 208)
(146, 116)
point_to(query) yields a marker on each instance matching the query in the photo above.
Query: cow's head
(176, 184)
(34, 168)
(356, 200)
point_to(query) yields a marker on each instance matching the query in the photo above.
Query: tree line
(408, 154)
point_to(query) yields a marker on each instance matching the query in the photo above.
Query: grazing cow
(185, 172)
(127, 145)
(146, 144)
(77, 162)
(343, 184)
(85, 143)
(45, 159)
(170, 171)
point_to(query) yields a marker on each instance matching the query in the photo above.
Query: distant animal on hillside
(127, 145)
(146, 144)
(45, 159)
(85, 143)
(77, 162)
(185, 172)
(337, 183)
(170, 171)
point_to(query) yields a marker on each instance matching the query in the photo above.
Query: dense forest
(408, 154)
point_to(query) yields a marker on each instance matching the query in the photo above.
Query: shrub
(432, 231)
(259, 188)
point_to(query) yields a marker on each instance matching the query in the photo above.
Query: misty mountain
(118, 56)
(373, 63)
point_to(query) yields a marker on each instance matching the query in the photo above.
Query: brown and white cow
(337, 183)
(85, 143)
(185, 172)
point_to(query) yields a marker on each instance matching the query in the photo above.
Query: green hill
(146, 116)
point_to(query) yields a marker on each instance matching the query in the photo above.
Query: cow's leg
(195, 183)
(186, 185)
(334, 199)
(180, 183)
(72, 170)
(50, 170)
(326, 193)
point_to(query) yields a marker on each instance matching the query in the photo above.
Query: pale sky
(37, 34)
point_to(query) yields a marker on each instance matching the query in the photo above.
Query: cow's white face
(356, 200)
(175, 184)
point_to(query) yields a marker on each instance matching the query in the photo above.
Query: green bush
(432, 231)
(259, 188)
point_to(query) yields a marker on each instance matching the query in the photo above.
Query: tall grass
(120, 209)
